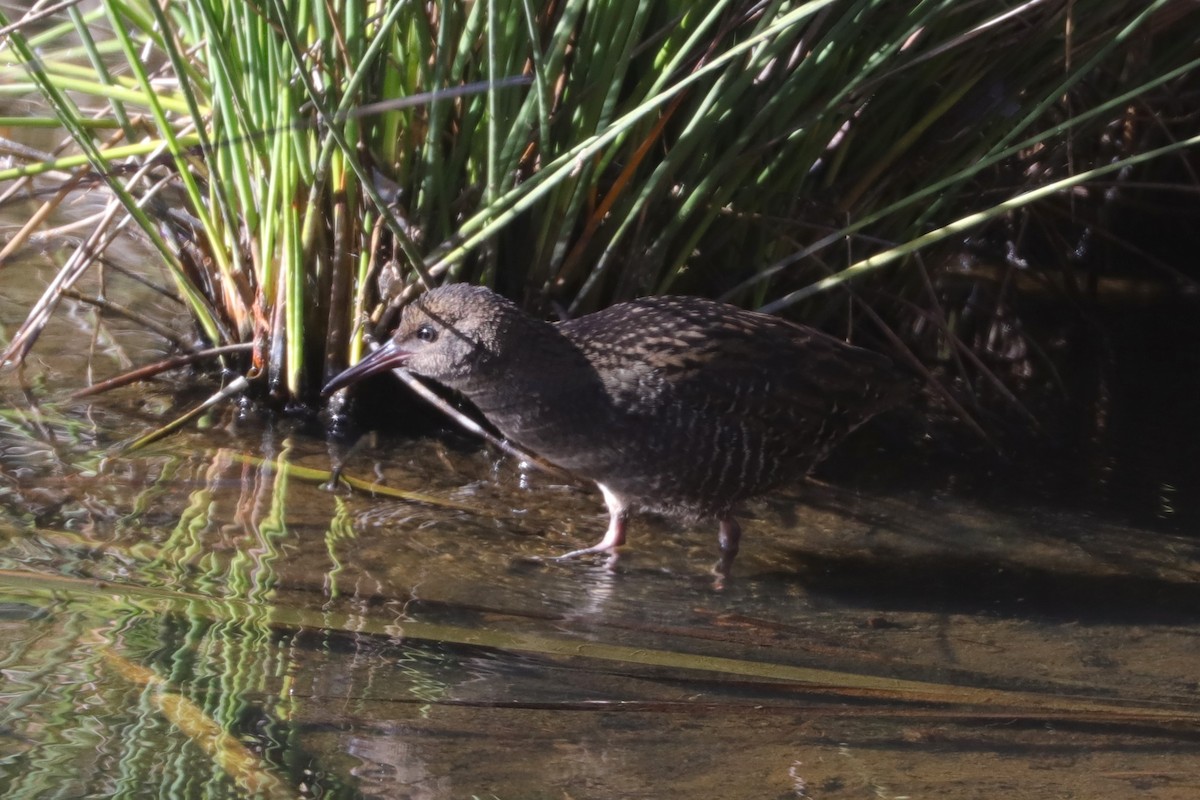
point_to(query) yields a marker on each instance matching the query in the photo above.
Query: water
(202, 618)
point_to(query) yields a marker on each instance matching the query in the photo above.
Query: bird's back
(714, 404)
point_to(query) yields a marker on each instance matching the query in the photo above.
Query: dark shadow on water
(956, 585)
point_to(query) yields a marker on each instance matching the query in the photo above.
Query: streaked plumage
(677, 405)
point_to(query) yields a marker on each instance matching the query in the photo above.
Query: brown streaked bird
(675, 405)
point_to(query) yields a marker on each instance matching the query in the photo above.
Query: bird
(675, 405)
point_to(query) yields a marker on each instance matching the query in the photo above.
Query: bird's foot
(721, 572)
(614, 537)
(587, 551)
(610, 563)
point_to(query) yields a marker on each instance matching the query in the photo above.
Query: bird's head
(449, 335)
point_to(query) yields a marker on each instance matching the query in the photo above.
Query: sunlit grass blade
(246, 769)
(1062, 704)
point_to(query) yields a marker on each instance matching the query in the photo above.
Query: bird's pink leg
(728, 537)
(614, 537)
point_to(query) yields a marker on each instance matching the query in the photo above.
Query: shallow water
(202, 618)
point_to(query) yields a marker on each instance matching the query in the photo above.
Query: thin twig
(237, 386)
(119, 310)
(158, 367)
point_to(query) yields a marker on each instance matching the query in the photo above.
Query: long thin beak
(388, 356)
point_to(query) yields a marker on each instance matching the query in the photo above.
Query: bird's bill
(389, 356)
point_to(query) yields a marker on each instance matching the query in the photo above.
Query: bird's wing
(726, 361)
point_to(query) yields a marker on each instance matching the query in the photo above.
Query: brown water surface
(204, 618)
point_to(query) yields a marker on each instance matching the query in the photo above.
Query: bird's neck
(534, 378)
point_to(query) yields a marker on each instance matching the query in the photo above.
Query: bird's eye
(427, 333)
